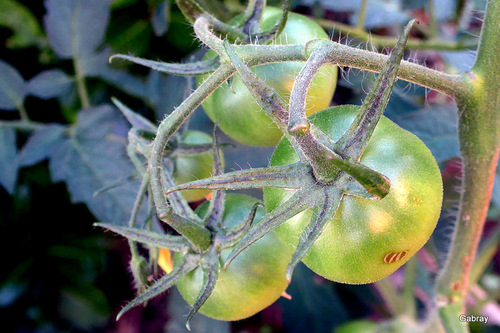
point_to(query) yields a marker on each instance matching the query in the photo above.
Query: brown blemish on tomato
(395, 256)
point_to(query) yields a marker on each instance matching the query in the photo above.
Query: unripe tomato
(165, 260)
(189, 167)
(232, 104)
(369, 239)
(253, 281)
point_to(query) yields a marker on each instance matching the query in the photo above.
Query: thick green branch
(343, 55)
(479, 136)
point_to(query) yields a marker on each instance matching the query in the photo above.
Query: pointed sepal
(355, 139)
(298, 202)
(292, 176)
(211, 268)
(187, 69)
(170, 242)
(322, 214)
(197, 235)
(161, 285)
(231, 236)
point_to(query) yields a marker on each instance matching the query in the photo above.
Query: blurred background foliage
(62, 142)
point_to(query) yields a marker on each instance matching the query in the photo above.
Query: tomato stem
(360, 25)
(479, 137)
(81, 86)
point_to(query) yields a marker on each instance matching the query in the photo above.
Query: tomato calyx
(207, 258)
(326, 170)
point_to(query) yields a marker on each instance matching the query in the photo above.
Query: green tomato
(240, 116)
(369, 239)
(252, 282)
(190, 167)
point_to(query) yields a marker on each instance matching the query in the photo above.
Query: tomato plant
(363, 185)
(232, 105)
(353, 199)
(254, 281)
(367, 240)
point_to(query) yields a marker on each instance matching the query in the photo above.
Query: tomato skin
(190, 167)
(363, 233)
(252, 282)
(232, 104)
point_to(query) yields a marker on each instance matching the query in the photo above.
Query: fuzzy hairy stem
(342, 55)
(479, 136)
(254, 55)
(171, 124)
(135, 212)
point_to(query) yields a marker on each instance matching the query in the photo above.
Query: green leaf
(462, 61)
(165, 92)
(154, 239)
(12, 88)
(41, 144)
(24, 25)
(437, 127)
(76, 27)
(8, 155)
(161, 18)
(93, 157)
(134, 118)
(49, 84)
